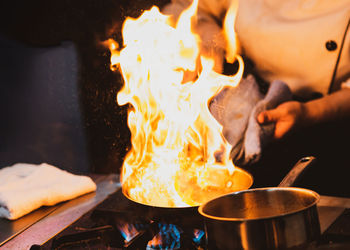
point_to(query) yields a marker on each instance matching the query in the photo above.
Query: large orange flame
(178, 156)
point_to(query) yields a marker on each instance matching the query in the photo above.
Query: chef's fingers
(273, 116)
(268, 116)
(281, 130)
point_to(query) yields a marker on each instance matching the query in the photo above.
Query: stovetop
(108, 220)
(117, 224)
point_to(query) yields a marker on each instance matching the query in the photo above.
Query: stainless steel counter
(58, 218)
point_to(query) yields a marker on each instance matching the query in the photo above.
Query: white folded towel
(26, 187)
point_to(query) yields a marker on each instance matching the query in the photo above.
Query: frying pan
(280, 217)
(243, 181)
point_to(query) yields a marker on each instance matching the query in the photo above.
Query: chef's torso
(297, 41)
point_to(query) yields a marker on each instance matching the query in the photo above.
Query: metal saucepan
(280, 217)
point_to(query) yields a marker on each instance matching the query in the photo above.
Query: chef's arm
(291, 115)
(331, 107)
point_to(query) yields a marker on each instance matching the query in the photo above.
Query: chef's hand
(291, 115)
(287, 116)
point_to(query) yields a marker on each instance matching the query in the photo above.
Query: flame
(232, 45)
(178, 156)
(128, 231)
(169, 237)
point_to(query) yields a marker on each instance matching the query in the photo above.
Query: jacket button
(331, 45)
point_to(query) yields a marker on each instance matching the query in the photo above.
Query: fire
(178, 156)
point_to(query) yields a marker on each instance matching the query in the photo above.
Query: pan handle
(296, 172)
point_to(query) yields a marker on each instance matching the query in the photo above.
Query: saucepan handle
(296, 172)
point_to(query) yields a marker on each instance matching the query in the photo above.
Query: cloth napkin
(236, 109)
(26, 187)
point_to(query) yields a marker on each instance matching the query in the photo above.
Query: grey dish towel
(236, 109)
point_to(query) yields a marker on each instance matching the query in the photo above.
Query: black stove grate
(118, 224)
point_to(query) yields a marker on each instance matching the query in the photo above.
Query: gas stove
(116, 223)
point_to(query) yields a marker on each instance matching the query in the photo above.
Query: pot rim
(293, 189)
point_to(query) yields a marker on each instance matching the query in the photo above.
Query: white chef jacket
(297, 41)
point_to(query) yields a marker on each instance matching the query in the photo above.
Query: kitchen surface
(42, 224)
(58, 105)
(107, 220)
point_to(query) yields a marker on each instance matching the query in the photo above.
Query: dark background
(62, 108)
(82, 129)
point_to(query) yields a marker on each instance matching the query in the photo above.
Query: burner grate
(118, 224)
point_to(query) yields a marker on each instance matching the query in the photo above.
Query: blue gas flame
(168, 237)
